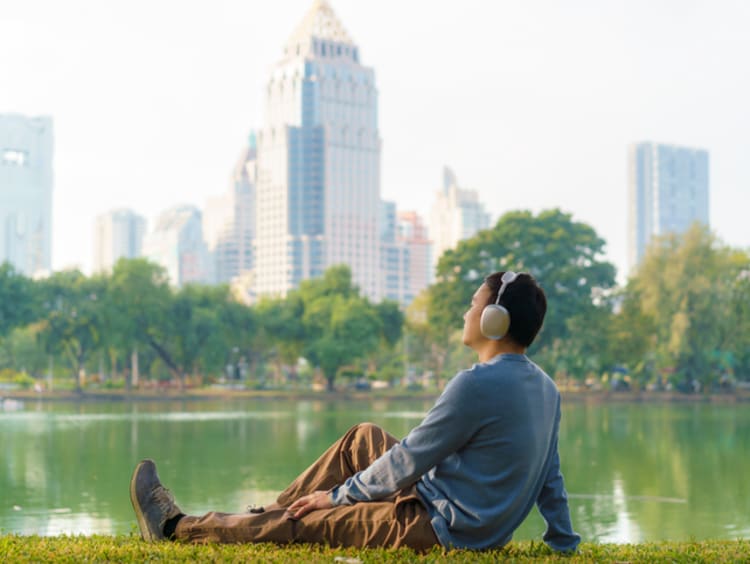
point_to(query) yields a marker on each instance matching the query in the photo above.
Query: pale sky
(533, 103)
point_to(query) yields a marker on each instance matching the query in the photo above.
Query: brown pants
(401, 520)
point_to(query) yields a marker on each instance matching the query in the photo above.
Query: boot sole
(146, 533)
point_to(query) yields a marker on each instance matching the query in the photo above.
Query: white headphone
(495, 319)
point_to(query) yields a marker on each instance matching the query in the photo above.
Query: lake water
(634, 472)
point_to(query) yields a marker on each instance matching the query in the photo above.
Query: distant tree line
(110, 325)
(682, 320)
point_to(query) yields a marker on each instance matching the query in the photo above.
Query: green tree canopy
(340, 325)
(73, 323)
(692, 292)
(17, 299)
(564, 256)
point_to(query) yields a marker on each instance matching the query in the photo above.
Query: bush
(7, 374)
(17, 379)
(24, 381)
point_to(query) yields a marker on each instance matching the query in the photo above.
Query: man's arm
(553, 505)
(447, 427)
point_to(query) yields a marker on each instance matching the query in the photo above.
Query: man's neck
(490, 349)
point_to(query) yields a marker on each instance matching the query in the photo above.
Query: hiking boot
(153, 503)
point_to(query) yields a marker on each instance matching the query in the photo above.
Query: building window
(15, 157)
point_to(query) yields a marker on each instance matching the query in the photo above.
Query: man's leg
(359, 447)
(403, 522)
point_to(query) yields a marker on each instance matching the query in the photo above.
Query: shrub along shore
(131, 549)
(197, 394)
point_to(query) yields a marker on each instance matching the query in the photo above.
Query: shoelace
(164, 499)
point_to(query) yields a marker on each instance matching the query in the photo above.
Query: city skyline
(534, 107)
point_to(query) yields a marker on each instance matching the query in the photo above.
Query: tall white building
(318, 185)
(456, 214)
(176, 243)
(667, 192)
(117, 234)
(229, 221)
(26, 193)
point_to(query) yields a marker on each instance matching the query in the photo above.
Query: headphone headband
(508, 278)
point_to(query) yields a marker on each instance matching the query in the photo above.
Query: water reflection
(634, 472)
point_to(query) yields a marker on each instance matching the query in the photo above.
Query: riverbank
(224, 394)
(132, 549)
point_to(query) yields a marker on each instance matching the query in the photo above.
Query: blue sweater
(483, 455)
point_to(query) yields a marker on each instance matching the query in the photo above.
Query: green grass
(131, 549)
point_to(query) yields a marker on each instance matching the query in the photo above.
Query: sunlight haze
(531, 103)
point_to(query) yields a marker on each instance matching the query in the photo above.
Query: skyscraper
(177, 244)
(117, 234)
(412, 236)
(667, 192)
(456, 214)
(26, 192)
(318, 185)
(404, 254)
(229, 221)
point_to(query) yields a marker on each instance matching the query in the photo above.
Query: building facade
(318, 183)
(229, 221)
(117, 234)
(176, 243)
(26, 193)
(404, 254)
(667, 192)
(456, 214)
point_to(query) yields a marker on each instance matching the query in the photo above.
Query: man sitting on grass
(465, 477)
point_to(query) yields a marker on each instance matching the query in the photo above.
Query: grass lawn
(131, 549)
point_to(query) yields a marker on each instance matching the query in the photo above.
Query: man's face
(472, 333)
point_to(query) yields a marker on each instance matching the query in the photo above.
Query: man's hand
(307, 503)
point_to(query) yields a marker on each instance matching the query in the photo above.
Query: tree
(630, 337)
(284, 330)
(21, 350)
(192, 335)
(193, 329)
(73, 324)
(692, 291)
(392, 320)
(429, 347)
(17, 299)
(139, 302)
(563, 255)
(738, 321)
(340, 325)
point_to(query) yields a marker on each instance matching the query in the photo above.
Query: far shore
(206, 394)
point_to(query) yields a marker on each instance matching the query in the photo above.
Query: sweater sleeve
(447, 427)
(553, 505)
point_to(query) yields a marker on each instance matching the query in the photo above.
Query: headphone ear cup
(494, 322)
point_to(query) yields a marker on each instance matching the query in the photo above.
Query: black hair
(526, 303)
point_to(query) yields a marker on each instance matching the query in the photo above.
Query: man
(465, 477)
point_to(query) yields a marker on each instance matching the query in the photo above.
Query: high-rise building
(117, 234)
(229, 221)
(318, 185)
(176, 243)
(404, 254)
(667, 192)
(392, 261)
(26, 193)
(412, 236)
(456, 214)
